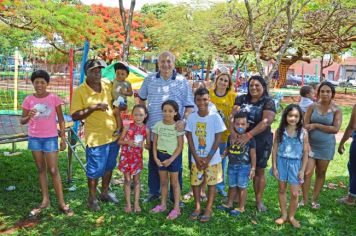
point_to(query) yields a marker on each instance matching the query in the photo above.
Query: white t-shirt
(203, 131)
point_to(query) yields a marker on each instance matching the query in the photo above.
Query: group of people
(219, 126)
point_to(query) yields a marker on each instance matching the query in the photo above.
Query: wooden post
(16, 75)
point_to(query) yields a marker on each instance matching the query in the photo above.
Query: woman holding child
(261, 112)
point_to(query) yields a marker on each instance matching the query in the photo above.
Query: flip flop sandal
(194, 216)
(37, 211)
(188, 196)
(315, 205)
(235, 212)
(224, 207)
(205, 218)
(173, 214)
(203, 198)
(158, 209)
(67, 211)
(301, 204)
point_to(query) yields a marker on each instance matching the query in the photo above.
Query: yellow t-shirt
(224, 105)
(99, 125)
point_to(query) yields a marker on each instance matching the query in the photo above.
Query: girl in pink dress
(131, 162)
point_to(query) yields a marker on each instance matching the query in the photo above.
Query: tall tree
(127, 22)
(112, 39)
(60, 23)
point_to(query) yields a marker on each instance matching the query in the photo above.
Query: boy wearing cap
(92, 102)
(120, 90)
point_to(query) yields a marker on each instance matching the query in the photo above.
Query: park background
(289, 43)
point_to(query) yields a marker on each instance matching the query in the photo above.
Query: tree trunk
(127, 26)
(207, 76)
(282, 74)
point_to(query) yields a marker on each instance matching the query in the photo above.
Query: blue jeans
(154, 183)
(352, 168)
(221, 186)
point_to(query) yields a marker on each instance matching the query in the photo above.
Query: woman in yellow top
(223, 96)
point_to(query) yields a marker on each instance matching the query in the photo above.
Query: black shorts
(263, 150)
(175, 166)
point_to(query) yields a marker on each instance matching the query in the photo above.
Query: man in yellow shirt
(92, 102)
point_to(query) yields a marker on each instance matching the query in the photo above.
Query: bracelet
(249, 135)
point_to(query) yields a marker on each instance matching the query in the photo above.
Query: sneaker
(151, 198)
(93, 205)
(109, 198)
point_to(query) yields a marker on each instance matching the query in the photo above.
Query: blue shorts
(288, 170)
(175, 166)
(101, 159)
(43, 144)
(238, 175)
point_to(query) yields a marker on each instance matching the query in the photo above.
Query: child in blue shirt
(241, 167)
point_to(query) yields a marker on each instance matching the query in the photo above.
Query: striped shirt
(157, 90)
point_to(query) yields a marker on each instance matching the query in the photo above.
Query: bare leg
(52, 165)
(196, 193)
(242, 196)
(163, 176)
(211, 197)
(105, 183)
(259, 184)
(127, 190)
(231, 196)
(40, 162)
(137, 190)
(309, 170)
(176, 189)
(282, 197)
(92, 183)
(294, 190)
(203, 188)
(118, 119)
(320, 172)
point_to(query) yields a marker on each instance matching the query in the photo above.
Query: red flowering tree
(112, 38)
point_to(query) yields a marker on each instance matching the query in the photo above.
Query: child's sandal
(315, 205)
(67, 211)
(173, 214)
(158, 209)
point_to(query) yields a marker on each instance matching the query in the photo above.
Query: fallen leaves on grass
(100, 220)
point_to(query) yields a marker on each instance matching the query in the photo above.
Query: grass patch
(331, 219)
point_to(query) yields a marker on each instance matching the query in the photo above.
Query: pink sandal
(158, 209)
(173, 214)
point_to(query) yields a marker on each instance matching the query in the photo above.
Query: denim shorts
(288, 170)
(43, 144)
(175, 166)
(238, 175)
(101, 159)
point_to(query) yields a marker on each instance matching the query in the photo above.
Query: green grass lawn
(331, 219)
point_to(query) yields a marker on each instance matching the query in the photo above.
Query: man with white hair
(156, 88)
